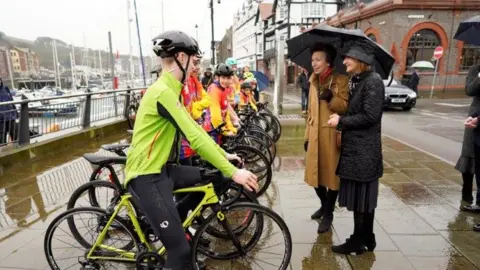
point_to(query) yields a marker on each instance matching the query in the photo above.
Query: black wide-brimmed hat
(362, 50)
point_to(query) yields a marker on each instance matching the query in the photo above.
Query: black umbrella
(469, 31)
(299, 48)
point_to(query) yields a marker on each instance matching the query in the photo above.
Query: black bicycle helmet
(199, 52)
(169, 43)
(223, 70)
(246, 85)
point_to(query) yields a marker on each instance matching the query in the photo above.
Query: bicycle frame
(210, 198)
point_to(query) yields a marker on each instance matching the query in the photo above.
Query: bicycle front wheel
(259, 245)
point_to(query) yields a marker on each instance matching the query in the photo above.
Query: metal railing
(40, 116)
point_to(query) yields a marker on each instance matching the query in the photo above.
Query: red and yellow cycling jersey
(218, 112)
(247, 99)
(195, 100)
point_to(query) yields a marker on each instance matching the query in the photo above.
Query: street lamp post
(213, 30)
(196, 30)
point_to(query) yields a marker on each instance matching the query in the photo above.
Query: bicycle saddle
(101, 160)
(115, 147)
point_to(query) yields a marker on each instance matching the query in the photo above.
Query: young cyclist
(160, 119)
(246, 95)
(196, 100)
(219, 112)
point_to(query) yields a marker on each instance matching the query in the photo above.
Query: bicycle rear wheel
(69, 241)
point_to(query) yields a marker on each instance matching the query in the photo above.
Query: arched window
(372, 37)
(421, 46)
(470, 57)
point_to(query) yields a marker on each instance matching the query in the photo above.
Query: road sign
(438, 53)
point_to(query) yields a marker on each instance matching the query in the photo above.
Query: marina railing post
(127, 103)
(88, 109)
(24, 132)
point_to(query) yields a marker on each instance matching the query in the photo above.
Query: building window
(260, 47)
(283, 12)
(421, 46)
(372, 37)
(470, 57)
(313, 10)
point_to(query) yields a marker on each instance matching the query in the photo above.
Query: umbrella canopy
(423, 64)
(469, 31)
(262, 80)
(299, 48)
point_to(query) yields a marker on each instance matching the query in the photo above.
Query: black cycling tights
(154, 195)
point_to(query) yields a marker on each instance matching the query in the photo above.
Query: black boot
(354, 244)
(467, 188)
(327, 218)
(367, 231)
(322, 195)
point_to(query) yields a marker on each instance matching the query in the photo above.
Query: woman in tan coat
(328, 95)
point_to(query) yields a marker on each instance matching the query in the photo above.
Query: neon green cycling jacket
(160, 115)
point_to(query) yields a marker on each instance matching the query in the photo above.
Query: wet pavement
(417, 223)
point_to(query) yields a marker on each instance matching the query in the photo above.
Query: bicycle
(141, 252)
(133, 108)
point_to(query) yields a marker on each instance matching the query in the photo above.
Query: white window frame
(313, 10)
(283, 12)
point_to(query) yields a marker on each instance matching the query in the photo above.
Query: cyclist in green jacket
(161, 118)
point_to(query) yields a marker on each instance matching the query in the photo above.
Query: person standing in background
(414, 81)
(8, 116)
(304, 84)
(207, 78)
(466, 162)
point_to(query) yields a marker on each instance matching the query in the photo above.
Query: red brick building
(411, 29)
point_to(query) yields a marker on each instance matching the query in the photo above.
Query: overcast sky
(71, 20)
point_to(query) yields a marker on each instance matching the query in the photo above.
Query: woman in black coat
(361, 161)
(466, 162)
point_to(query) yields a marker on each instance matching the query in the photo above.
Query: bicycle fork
(226, 226)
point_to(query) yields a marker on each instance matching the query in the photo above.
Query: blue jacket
(7, 112)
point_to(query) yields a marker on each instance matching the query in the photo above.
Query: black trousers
(154, 195)
(10, 128)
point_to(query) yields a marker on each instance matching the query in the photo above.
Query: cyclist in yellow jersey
(160, 119)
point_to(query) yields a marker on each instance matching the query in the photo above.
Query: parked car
(398, 95)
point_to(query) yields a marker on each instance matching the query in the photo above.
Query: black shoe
(471, 208)
(318, 214)
(467, 200)
(326, 223)
(352, 245)
(370, 242)
(476, 227)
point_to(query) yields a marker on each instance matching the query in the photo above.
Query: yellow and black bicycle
(96, 238)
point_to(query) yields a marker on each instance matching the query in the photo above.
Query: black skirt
(358, 196)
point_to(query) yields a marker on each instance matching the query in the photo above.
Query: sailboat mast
(54, 63)
(101, 70)
(74, 74)
(129, 21)
(58, 65)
